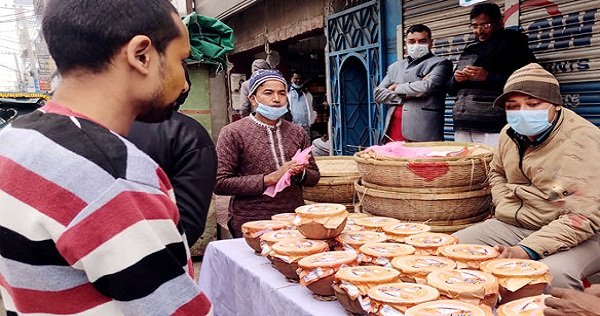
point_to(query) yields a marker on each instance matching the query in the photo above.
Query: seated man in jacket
(414, 88)
(544, 178)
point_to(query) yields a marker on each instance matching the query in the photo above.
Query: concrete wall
(275, 20)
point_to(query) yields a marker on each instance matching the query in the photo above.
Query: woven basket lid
(361, 237)
(367, 274)
(337, 166)
(284, 217)
(374, 221)
(256, 226)
(529, 306)
(328, 259)
(462, 281)
(406, 229)
(427, 240)
(403, 293)
(446, 307)
(514, 267)
(296, 247)
(467, 252)
(386, 249)
(321, 210)
(439, 151)
(282, 234)
(420, 264)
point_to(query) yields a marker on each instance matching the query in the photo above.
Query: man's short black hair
(491, 10)
(86, 34)
(418, 28)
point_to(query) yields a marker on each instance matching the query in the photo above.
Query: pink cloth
(397, 149)
(301, 157)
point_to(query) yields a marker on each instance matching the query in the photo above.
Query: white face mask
(417, 50)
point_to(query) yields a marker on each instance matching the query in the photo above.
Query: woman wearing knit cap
(544, 180)
(255, 153)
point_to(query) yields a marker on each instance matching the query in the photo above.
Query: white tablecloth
(238, 282)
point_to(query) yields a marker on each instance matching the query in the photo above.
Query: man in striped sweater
(88, 223)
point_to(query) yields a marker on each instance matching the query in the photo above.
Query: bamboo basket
(434, 172)
(336, 185)
(423, 207)
(474, 187)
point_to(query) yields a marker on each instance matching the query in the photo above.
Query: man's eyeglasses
(484, 26)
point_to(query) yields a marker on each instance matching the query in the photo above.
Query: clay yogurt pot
(428, 243)
(398, 231)
(317, 271)
(253, 230)
(382, 253)
(268, 239)
(321, 221)
(353, 216)
(471, 286)
(286, 254)
(528, 306)
(414, 269)
(396, 298)
(448, 307)
(518, 278)
(468, 256)
(375, 223)
(352, 285)
(285, 217)
(353, 240)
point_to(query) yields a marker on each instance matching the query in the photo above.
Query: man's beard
(153, 110)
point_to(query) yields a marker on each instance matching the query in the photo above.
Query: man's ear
(252, 99)
(138, 53)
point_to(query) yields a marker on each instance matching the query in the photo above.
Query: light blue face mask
(270, 112)
(528, 122)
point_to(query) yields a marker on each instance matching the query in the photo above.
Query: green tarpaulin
(210, 39)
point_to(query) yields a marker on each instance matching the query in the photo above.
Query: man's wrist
(532, 254)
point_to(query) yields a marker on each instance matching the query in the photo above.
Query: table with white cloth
(239, 282)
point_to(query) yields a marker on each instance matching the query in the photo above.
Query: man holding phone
(481, 73)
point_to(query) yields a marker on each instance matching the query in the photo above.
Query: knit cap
(262, 75)
(532, 80)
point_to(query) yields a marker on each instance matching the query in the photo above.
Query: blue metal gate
(355, 68)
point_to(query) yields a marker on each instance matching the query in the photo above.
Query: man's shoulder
(399, 64)
(434, 59)
(240, 126)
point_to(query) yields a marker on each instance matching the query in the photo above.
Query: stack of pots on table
(338, 174)
(383, 266)
(448, 191)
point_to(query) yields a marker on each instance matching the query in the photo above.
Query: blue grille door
(354, 106)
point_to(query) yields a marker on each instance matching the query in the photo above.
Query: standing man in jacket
(414, 89)
(301, 103)
(481, 72)
(544, 179)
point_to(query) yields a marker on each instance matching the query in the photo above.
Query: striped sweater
(88, 224)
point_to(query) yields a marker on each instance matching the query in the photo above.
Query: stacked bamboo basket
(447, 193)
(338, 174)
